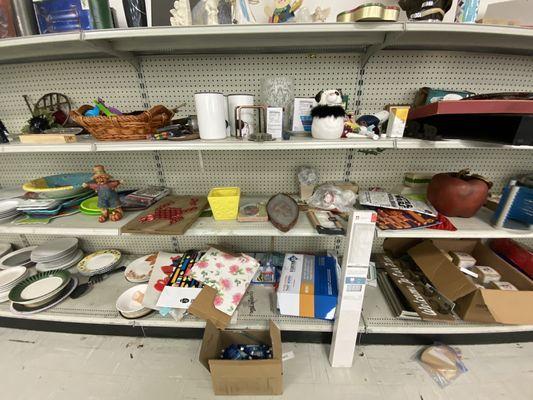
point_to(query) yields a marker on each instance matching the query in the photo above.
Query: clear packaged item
(331, 197)
(443, 363)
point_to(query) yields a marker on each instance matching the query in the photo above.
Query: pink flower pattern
(236, 298)
(225, 283)
(227, 274)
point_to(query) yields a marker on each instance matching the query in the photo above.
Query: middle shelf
(477, 227)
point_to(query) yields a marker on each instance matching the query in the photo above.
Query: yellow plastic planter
(224, 202)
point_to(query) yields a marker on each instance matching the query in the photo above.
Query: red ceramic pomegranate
(458, 194)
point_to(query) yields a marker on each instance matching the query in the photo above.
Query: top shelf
(86, 145)
(268, 38)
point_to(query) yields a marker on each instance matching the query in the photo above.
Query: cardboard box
(472, 303)
(239, 377)
(308, 286)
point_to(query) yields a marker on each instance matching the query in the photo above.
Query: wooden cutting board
(164, 226)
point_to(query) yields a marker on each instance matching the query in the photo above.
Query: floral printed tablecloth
(228, 274)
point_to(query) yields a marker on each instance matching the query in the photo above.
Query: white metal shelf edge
(88, 145)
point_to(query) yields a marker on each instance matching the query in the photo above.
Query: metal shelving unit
(170, 64)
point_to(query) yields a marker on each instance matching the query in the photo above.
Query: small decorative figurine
(328, 115)
(320, 14)
(211, 9)
(284, 10)
(108, 200)
(181, 13)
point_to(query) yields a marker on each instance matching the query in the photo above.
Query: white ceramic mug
(211, 110)
(247, 116)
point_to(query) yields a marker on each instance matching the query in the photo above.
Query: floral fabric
(227, 274)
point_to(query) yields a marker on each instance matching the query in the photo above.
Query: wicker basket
(123, 127)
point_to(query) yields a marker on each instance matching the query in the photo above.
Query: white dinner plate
(76, 258)
(55, 249)
(41, 288)
(18, 258)
(10, 276)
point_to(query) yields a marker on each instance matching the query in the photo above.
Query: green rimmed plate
(90, 205)
(38, 289)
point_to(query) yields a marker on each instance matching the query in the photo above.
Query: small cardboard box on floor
(237, 377)
(471, 303)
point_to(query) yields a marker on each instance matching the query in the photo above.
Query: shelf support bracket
(355, 261)
(389, 39)
(107, 48)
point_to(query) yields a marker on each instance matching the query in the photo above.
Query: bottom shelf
(378, 318)
(97, 307)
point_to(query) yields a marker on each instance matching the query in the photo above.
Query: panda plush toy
(328, 115)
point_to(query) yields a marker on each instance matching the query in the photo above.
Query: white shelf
(209, 227)
(378, 318)
(259, 38)
(98, 307)
(245, 38)
(477, 227)
(72, 225)
(89, 145)
(239, 144)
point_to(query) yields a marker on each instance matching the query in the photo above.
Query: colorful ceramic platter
(100, 262)
(140, 269)
(20, 309)
(57, 186)
(39, 289)
(21, 257)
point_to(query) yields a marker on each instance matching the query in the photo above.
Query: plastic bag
(330, 197)
(443, 363)
(307, 176)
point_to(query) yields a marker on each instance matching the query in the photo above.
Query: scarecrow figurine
(108, 200)
(284, 11)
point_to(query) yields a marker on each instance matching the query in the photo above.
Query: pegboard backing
(135, 169)
(387, 168)
(255, 172)
(81, 80)
(173, 80)
(394, 77)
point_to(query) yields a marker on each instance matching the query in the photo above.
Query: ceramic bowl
(130, 308)
(57, 186)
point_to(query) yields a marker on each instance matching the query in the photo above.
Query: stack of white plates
(100, 262)
(19, 258)
(58, 254)
(42, 291)
(8, 209)
(9, 278)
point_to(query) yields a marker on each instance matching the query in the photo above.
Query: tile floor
(56, 366)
